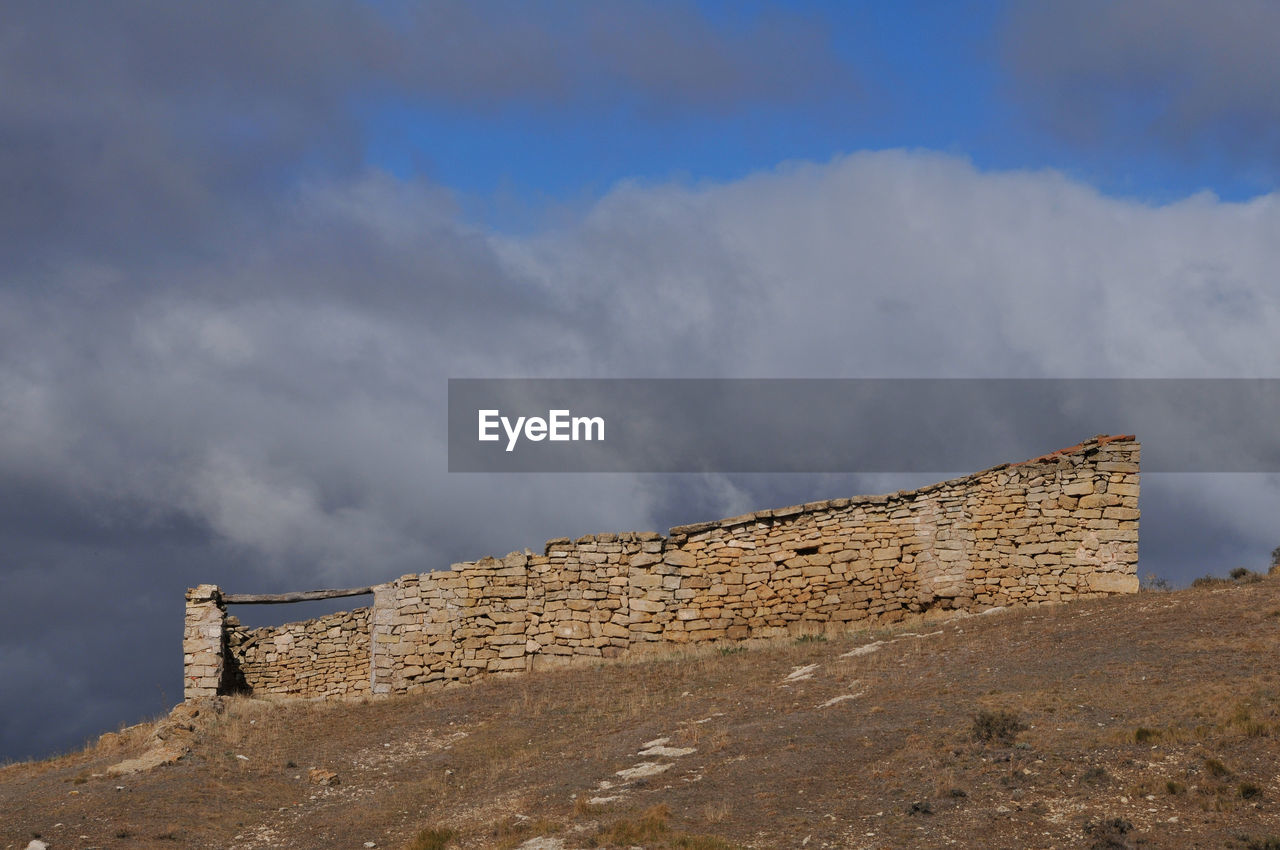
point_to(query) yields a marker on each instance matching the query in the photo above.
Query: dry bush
(1109, 833)
(1216, 767)
(999, 727)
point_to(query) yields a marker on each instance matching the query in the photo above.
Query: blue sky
(244, 246)
(934, 76)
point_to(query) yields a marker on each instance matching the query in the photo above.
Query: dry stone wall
(324, 657)
(1063, 526)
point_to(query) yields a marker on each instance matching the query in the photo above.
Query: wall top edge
(680, 532)
(1082, 448)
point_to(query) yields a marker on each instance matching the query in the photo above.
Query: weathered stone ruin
(1059, 527)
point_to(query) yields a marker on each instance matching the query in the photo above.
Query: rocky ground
(1141, 721)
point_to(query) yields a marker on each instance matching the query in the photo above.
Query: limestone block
(679, 558)
(1113, 583)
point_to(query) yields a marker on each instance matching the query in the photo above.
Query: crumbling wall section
(324, 657)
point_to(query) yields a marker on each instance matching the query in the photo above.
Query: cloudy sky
(243, 246)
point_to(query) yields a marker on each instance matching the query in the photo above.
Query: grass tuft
(432, 838)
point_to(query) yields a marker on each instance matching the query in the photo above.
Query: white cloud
(297, 410)
(911, 263)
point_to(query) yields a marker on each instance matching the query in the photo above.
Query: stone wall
(1063, 526)
(324, 657)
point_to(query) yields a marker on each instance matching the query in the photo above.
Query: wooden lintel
(299, 596)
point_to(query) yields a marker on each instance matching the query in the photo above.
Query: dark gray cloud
(1198, 78)
(142, 130)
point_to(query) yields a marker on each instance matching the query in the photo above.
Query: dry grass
(651, 829)
(435, 838)
(1168, 701)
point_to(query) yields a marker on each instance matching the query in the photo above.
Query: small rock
(840, 699)
(542, 843)
(185, 711)
(37, 844)
(668, 752)
(804, 672)
(643, 769)
(152, 758)
(322, 777)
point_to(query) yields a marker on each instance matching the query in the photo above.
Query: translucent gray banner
(853, 425)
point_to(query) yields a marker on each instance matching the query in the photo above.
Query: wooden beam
(299, 596)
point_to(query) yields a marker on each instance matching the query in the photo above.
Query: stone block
(679, 558)
(1113, 583)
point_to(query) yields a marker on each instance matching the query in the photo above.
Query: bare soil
(1142, 721)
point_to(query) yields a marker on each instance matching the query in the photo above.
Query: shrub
(1210, 581)
(1094, 775)
(1216, 768)
(996, 726)
(1108, 833)
(1142, 735)
(1154, 582)
(1269, 843)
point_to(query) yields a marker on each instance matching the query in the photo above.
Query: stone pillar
(203, 642)
(382, 619)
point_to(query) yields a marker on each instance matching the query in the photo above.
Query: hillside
(1141, 721)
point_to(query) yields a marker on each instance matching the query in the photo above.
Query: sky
(243, 247)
